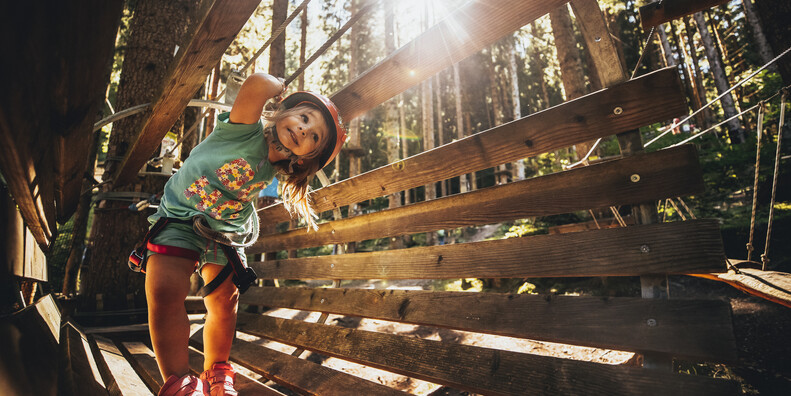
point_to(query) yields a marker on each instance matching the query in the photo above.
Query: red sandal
(220, 378)
(188, 385)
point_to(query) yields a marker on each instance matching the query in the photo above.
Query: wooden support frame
(651, 98)
(476, 369)
(666, 173)
(689, 247)
(217, 29)
(694, 329)
(655, 14)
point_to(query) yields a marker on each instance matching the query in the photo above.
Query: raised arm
(255, 91)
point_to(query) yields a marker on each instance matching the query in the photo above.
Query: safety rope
(760, 128)
(648, 42)
(362, 11)
(765, 256)
(738, 84)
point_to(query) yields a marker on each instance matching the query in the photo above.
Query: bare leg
(167, 285)
(221, 304)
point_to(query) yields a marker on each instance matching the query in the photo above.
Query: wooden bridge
(42, 169)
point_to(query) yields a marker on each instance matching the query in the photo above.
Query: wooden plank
(663, 174)
(80, 374)
(651, 98)
(145, 363)
(299, 375)
(609, 65)
(52, 90)
(29, 341)
(668, 248)
(84, 49)
(468, 29)
(120, 377)
(770, 285)
(474, 369)
(695, 329)
(667, 10)
(194, 62)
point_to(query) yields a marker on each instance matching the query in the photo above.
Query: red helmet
(330, 112)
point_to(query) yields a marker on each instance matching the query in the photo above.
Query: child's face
(302, 133)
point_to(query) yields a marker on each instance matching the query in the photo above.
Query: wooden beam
(51, 92)
(663, 174)
(694, 329)
(78, 88)
(299, 375)
(80, 373)
(667, 10)
(651, 98)
(688, 247)
(120, 377)
(609, 65)
(194, 62)
(475, 369)
(145, 363)
(471, 27)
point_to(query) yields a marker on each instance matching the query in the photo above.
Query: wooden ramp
(769, 285)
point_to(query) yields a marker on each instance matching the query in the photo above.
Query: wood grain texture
(689, 247)
(80, 374)
(609, 65)
(299, 375)
(655, 13)
(118, 374)
(216, 31)
(145, 363)
(651, 98)
(468, 29)
(695, 329)
(474, 369)
(663, 174)
(242, 383)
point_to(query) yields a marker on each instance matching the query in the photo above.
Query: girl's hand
(254, 93)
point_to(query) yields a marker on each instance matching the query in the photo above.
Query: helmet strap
(271, 139)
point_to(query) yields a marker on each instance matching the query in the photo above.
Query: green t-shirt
(221, 178)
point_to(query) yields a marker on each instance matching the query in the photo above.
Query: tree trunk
(277, 50)
(701, 90)
(440, 130)
(571, 73)
(303, 39)
(156, 28)
(735, 130)
(354, 125)
(667, 51)
(758, 34)
(775, 15)
(516, 103)
(689, 83)
(459, 120)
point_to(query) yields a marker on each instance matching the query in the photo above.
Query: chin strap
(271, 139)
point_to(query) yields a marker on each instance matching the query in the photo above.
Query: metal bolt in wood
(618, 110)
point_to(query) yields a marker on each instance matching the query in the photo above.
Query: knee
(224, 300)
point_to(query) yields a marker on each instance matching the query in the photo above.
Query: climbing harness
(243, 276)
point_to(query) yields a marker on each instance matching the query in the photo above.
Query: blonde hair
(295, 184)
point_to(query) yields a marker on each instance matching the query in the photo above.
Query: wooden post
(611, 71)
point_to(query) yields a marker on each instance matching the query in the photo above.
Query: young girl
(219, 182)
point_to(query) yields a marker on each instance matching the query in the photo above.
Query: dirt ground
(761, 328)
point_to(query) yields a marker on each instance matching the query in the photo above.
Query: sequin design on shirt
(233, 175)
